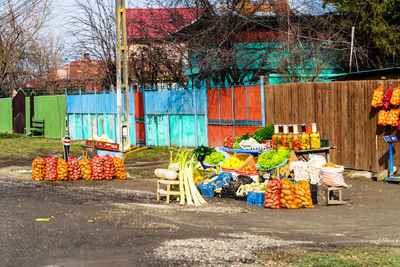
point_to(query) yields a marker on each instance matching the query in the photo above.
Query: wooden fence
(343, 113)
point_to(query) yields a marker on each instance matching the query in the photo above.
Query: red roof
(158, 23)
(85, 73)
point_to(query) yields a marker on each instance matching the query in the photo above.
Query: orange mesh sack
(382, 115)
(38, 169)
(377, 97)
(395, 98)
(62, 170)
(120, 171)
(303, 194)
(288, 198)
(86, 168)
(392, 118)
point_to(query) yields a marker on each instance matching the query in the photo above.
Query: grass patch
(16, 146)
(353, 257)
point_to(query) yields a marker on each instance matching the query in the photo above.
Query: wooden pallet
(167, 192)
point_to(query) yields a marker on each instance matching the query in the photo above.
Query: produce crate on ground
(255, 198)
(207, 189)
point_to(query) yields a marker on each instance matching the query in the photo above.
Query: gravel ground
(224, 249)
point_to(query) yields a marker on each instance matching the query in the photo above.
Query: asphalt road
(104, 226)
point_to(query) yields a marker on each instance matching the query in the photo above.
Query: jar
(275, 137)
(296, 138)
(305, 138)
(289, 138)
(315, 137)
(279, 141)
(284, 136)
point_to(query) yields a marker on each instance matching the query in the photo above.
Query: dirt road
(119, 223)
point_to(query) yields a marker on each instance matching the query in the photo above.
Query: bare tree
(22, 50)
(94, 30)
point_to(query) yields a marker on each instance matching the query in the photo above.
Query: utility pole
(351, 47)
(121, 57)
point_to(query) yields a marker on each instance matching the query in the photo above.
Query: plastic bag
(377, 97)
(386, 99)
(301, 170)
(74, 171)
(315, 162)
(303, 194)
(108, 168)
(97, 165)
(86, 169)
(38, 169)
(272, 197)
(50, 169)
(120, 171)
(288, 198)
(331, 176)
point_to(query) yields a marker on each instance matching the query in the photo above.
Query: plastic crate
(222, 179)
(324, 142)
(256, 199)
(206, 190)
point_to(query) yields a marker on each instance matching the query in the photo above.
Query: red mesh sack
(97, 165)
(50, 169)
(108, 167)
(74, 170)
(272, 197)
(386, 99)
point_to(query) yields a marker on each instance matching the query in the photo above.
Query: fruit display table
(252, 152)
(303, 153)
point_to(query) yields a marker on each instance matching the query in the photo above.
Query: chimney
(86, 57)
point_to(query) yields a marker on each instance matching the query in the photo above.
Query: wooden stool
(167, 192)
(326, 196)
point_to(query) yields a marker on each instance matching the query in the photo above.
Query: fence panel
(343, 115)
(233, 111)
(176, 118)
(52, 110)
(6, 115)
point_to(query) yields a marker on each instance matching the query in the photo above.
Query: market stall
(244, 168)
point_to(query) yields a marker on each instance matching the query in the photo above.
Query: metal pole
(390, 159)
(121, 56)
(351, 47)
(262, 96)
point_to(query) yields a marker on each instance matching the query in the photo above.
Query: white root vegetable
(174, 166)
(170, 175)
(160, 173)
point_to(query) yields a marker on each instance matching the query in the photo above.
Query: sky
(64, 8)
